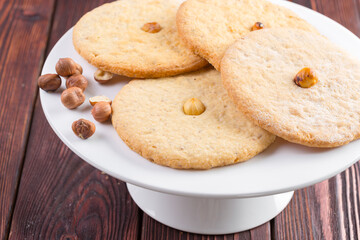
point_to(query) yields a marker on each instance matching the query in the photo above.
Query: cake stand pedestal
(209, 215)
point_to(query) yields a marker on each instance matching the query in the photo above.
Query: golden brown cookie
(149, 116)
(135, 38)
(259, 72)
(210, 27)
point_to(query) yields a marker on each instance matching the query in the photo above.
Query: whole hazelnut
(77, 80)
(72, 97)
(101, 111)
(79, 69)
(83, 128)
(66, 67)
(102, 76)
(49, 82)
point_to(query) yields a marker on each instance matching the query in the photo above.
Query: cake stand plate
(217, 201)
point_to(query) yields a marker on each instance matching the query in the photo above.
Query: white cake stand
(218, 201)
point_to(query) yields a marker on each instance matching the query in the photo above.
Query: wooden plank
(60, 196)
(328, 210)
(83, 188)
(153, 230)
(331, 209)
(24, 31)
(346, 12)
(305, 3)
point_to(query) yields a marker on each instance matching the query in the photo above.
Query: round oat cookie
(258, 72)
(148, 115)
(210, 27)
(111, 38)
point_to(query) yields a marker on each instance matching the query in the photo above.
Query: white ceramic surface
(281, 168)
(209, 215)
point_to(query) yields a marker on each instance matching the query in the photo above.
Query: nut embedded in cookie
(139, 40)
(194, 106)
(306, 78)
(257, 26)
(151, 27)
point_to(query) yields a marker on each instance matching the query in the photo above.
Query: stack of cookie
(279, 76)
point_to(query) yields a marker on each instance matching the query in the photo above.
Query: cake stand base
(209, 215)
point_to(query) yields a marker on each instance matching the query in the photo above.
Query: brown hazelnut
(79, 69)
(102, 76)
(66, 67)
(306, 78)
(151, 27)
(101, 111)
(96, 99)
(83, 128)
(49, 82)
(257, 26)
(72, 97)
(77, 80)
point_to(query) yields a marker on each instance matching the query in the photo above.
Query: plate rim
(192, 193)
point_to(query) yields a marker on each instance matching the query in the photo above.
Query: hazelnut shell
(79, 69)
(96, 99)
(83, 128)
(77, 80)
(102, 76)
(72, 97)
(101, 111)
(49, 82)
(66, 67)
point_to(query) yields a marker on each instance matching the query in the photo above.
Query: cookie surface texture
(209, 27)
(258, 72)
(111, 38)
(148, 115)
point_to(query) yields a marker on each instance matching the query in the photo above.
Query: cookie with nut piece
(135, 38)
(298, 85)
(186, 122)
(210, 27)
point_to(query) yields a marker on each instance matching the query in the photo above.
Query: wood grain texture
(328, 210)
(24, 27)
(60, 196)
(153, 230)
(305, 3)
(331, 209)
(345, 12)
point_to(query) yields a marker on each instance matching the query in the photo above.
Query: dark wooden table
(47, 192)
